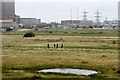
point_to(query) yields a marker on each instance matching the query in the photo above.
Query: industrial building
(0, 9)
(9, 18)
(7, 13)
(119, 13)
(109, 24)
(7, 9)
(7, 23)
(77, 23)
(29, 22)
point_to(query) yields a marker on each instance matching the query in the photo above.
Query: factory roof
(9, 20)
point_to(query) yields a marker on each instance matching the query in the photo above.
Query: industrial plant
(79, 46)
(8, 18)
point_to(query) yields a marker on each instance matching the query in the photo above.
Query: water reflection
(69, 71)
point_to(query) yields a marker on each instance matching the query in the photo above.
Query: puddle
(69, 71)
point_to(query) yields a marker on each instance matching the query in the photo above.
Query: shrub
(36, 29)
(113, 42)
(104, 56)
(118, 71)
(50, 32)
(85, 62)
(66, 32)
(9, 29)
(91, 27)
(29, 34)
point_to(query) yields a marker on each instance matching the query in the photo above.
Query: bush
(36, 29)
(118, 71)
(91, 27)
(9, 29)
(29, 34)
(50, 32)
(113, 42)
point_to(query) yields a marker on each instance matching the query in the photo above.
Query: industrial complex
(8, 18)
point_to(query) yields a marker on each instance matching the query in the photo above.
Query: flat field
(91, 49)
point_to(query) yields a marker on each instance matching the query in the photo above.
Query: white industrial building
(7, 13)
(77, 23)
(7, 23)
(30, 22)
(109, 24)
(10, 19)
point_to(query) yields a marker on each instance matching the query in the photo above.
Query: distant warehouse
(7, 23)
(77, 23)
(29, 22)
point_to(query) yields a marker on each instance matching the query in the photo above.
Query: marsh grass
(22, 57)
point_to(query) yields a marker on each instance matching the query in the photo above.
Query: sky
(57, 10)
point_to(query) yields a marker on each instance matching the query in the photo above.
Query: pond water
(69, 71)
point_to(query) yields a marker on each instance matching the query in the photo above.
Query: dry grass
(19, 61)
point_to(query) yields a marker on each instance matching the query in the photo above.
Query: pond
(69, 71)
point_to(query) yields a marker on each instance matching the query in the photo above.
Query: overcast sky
(57, 10)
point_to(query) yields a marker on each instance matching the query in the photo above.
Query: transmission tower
(97, 17)
(85, 15)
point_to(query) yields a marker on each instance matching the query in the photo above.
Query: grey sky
(57, 10)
